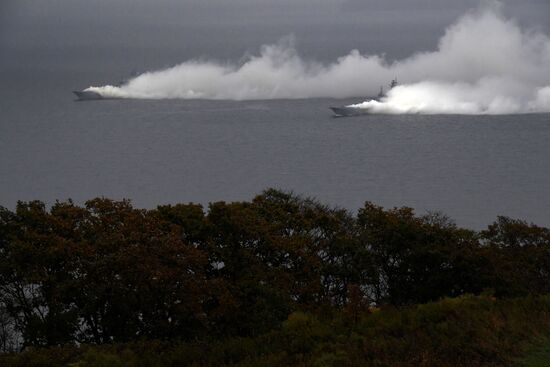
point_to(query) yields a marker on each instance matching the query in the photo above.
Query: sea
(471, 168)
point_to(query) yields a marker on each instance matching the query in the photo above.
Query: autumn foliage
(108, 273)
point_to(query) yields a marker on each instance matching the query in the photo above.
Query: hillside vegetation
(280, 280)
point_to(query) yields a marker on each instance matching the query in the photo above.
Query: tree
(33, 272)
(520, 257)
(419, 259)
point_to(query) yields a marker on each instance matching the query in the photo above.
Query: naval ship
(346, 111)
(87, 95)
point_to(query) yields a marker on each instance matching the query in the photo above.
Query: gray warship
(87, 95)
(347, 111)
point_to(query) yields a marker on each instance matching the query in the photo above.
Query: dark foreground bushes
(108, 273)
(465, 331)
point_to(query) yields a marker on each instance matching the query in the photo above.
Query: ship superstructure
(346, 111)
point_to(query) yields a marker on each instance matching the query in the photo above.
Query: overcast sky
(158, 33)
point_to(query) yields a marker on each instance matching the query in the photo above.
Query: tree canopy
(107, 272)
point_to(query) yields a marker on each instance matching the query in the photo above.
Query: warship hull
(346, 111)
(86, 95)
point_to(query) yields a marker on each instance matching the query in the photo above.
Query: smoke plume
(484, 64)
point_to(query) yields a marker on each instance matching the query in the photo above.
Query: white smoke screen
(484, 64)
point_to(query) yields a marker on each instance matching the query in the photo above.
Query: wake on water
(484, 64)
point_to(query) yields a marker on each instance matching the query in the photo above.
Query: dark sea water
(472, 168)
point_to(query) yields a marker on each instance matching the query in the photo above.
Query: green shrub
(97, 358)
(465, 331)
